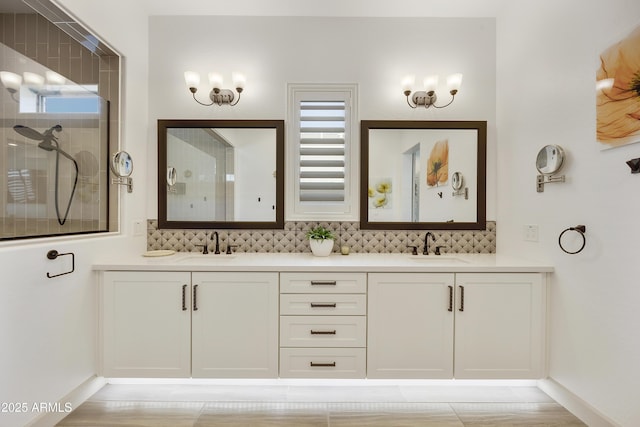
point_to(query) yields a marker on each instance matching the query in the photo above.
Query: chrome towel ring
(581, 230)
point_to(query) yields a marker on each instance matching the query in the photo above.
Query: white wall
(547, 59)
(273, 51)
(47, 326)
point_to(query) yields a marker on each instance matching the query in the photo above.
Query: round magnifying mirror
(457, 181)
(122, 164)
(172, 176)
(550, 159)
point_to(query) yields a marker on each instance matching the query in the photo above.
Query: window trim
(294, 209)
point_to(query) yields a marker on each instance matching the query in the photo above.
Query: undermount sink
(437, 259)
(208, 259)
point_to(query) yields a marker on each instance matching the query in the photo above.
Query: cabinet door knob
(195, 297)
(461, 298)
(184, 297)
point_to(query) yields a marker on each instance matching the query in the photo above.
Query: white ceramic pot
(321, 247)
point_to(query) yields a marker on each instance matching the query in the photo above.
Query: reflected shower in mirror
(220, 174)
(409, 168)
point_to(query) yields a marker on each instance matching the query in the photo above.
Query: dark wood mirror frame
(480, 126)
(163, 125)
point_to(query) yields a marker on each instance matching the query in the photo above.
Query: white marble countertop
(189, 261)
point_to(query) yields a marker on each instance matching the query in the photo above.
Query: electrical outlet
(531, 232)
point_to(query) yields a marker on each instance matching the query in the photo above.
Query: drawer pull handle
(323, 283)
(318, 305)
(325, 365)
(461, 298)
(322, 332)
(195, 297)
(184, 297)
(450, 298)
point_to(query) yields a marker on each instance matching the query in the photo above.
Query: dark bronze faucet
(425, 250)
(217, 246)
(205, 247)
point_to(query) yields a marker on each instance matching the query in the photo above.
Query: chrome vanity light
(122, 166)
(549, 161)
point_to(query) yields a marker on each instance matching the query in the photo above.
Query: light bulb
(408, 82)
(238, 80)
(215, 80)
(454, 81)
(192, 79)
(430, 83)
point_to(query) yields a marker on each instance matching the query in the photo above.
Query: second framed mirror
(221, 174)
(408, 169)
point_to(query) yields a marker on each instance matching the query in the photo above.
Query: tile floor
(199, 405)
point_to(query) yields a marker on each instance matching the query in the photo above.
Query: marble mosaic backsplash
(293, 239)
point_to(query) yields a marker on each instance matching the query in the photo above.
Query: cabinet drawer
(323, 283)
(323, 305)
(322, 362)
(323, 331)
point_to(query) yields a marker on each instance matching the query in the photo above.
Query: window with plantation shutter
(322, 152)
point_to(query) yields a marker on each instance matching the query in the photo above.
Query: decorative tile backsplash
(293, 239)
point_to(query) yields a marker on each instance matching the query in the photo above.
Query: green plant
(320, 233)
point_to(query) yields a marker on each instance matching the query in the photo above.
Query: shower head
(37, 136)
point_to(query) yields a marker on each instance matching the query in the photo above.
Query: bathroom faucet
(425, 250)
(217, 247)
(205, 247)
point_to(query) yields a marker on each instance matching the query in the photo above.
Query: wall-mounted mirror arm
(122, 166)
(543, 179)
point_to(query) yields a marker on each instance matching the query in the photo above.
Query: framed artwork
(618, 93)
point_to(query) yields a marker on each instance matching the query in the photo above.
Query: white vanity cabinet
(234, 325)
(410, 332)
(182, 324)
(323, 325)
(462, 325)
(146, 324)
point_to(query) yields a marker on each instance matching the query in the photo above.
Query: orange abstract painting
(618, 92)
(438, 164)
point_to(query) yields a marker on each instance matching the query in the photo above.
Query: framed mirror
(221, 174)
(408, 168)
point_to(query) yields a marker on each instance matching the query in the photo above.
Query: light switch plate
(531, 232)
(138, 228)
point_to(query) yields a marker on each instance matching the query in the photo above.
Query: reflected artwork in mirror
(221, 174)
(409, 167)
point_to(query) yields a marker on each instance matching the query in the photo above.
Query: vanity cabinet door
(500, 320)
(410, 333)
(145, 324)
(235, 325)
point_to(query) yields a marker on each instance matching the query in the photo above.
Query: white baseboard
(578, 407)
(73, 399)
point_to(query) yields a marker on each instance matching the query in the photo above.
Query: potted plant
(320, 240)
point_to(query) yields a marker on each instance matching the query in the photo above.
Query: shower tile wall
(40, 40)
(293, 239)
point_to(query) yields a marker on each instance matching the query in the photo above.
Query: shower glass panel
(54, 149)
